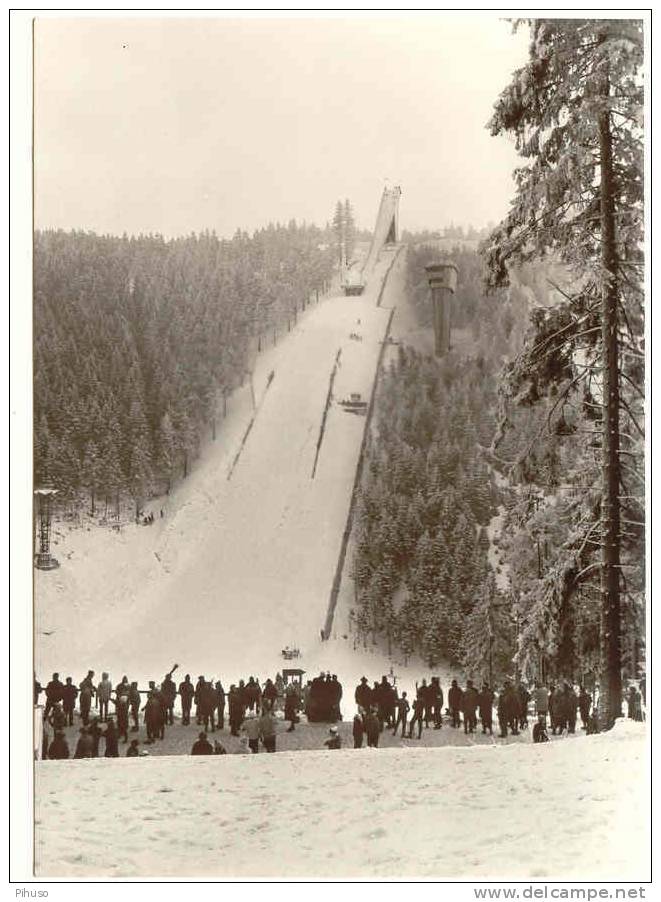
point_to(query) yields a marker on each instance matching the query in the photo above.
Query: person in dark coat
(111, 737)
(268, 730)
(471, 701)
(382, 697)
(236, 709)
(524, 698)
(508, 710)
(584, 705)
(252, 694)
(592, 726)
(557, 710)
(363, 696)
(168, 694)
(403, 708)
(634, 707)
(88, 681)
(202, 746)
(57, 719)
(85, 702)
(418, 711)
(571, 704)
(86, 693)
(269, 695)
(186, 691)
(358, 731)
(208, 706)
(155, 691)
(391, 708)
(69, 696)
(95, 732)
(45, 742)
(427, 695)
(220, 704)
(436, 694)
(85, 745)
(486, 708)
(132, 750)
(335, 698)
(134, 704)
(53, 694)
(154, 720)
(291, 706)
(122, 713)
(243, 696)
(103, 691)
(372, 729)
(539, 733)
(58, 750)
(455, 699)
(197, 698)
(553, 708)
(514, 709)
(38, 689)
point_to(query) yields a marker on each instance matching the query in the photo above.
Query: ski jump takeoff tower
(442, 279)
(386, 229)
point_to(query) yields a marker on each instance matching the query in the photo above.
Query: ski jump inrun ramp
(386, 230)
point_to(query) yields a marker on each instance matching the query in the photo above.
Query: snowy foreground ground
(573, 809)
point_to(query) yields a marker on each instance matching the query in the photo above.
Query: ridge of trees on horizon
(138, 342)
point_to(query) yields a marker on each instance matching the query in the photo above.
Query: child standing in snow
(539, 733)
(335, 740)
(251, 728)
(358, 731)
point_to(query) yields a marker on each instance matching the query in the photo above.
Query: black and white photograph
(337, 403)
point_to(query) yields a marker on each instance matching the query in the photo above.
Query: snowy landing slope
(567, 810)
(239, 567)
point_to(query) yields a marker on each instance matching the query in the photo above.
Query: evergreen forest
(139, 341)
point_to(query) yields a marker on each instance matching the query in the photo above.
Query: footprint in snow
(379, 833)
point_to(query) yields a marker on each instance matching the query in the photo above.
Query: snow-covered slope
(574, 809)
(239, 567)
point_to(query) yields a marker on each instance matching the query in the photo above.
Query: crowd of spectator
(253, 708)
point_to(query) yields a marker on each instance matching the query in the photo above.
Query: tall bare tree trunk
(611, 652)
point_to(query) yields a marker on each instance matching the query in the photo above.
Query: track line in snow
(324, 416)
(249, 428)
(385, 278)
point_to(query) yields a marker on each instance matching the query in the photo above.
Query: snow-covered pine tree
(575, 110)
(349, 230)
(488, 641)
(338, 232)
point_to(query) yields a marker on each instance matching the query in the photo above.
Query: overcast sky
(177, 125)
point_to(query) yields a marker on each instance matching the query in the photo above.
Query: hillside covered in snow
(243, 561)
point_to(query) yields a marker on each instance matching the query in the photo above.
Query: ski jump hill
(252, 544)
